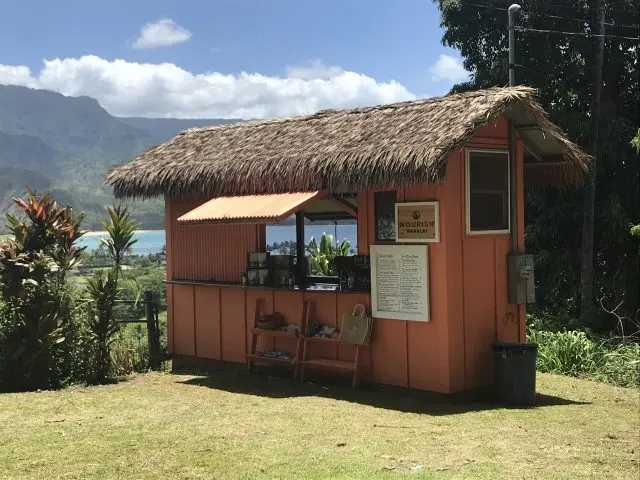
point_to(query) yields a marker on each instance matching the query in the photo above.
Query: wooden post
(301, 277)
(152, 331)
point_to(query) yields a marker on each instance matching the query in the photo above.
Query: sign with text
(400, 282)
(417, 222)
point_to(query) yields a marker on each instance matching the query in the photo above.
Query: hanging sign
(417, 222)
(400, 282)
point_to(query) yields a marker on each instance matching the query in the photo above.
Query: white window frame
(467, 202)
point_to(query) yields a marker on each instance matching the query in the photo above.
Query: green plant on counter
(323, 256)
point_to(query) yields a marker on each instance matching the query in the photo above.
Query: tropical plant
(33, 268)
(103, 290)
(121, 229)
(323, 256)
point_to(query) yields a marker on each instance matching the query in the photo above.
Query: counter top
(329, 288)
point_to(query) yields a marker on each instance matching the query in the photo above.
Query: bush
(576, 353)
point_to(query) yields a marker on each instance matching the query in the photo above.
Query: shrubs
(575, 353)
(51, 335)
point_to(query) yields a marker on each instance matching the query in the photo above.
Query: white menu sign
(400, 282)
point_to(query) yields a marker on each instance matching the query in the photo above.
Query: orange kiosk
(436, 189)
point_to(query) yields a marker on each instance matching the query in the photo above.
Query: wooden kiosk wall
(467, 281)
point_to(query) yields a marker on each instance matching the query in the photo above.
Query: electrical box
(521, 279)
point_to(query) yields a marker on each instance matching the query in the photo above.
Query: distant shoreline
(103, 233)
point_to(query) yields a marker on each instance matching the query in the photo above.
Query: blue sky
(227, 58)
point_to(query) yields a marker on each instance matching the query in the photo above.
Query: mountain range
(65, 145)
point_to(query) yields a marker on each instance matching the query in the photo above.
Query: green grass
(164, 426)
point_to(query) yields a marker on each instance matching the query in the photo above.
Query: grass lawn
(165, 426)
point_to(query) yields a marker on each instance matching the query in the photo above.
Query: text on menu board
(400, 282)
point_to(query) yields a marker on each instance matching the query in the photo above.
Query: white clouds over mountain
(166, 90)
(162, 33)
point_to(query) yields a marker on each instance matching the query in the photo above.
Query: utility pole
(587, 306)
(513, 196)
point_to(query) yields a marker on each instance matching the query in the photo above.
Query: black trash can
(515, 372)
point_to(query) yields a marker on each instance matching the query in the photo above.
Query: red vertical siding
(452, 231)
(183, 333)
(233, 325)
(211, 252)
(290, 305)
(207, 321)
(266, 306)
(323, 310)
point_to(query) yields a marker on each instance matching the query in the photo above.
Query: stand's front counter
(213, 320)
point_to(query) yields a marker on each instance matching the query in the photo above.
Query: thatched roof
(336, 150)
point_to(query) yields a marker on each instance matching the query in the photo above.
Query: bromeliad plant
(33, 269)
(323, 256)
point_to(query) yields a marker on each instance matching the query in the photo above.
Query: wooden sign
(417, 222)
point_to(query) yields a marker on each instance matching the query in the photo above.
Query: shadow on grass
(400, 399)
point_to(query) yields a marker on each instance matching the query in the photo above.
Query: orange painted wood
(289, 304)
(233, 324)
(363, 223)
(323, 310)
(427, 345)
(507, 322)
(183, 319)
(170, 327)
(498, 129)
(207, 315)
(389, 352)
(452, 234)
(210, 252)
(479, 307)
(522, 317)
(266, 298)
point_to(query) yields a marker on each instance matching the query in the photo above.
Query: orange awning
(250, 208)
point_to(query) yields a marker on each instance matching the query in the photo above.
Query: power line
(581, 34)
(557, 17)
(584, 20)
(565, 7)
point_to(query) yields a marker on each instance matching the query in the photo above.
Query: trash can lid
(499, 346)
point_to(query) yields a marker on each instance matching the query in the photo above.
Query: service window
(487, 199)
(384, 207)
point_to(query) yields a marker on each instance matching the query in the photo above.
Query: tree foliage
(560, 66)
(323, 255)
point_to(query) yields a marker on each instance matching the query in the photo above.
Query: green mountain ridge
(65, 146)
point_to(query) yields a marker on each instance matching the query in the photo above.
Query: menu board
(400, 282)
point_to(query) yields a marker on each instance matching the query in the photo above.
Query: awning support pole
(301, 277)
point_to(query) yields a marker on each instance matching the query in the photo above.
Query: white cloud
(162, 33)
(166, 90)
(315, 70)
(18, 75)
(448, 68)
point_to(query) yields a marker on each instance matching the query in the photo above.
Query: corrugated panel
(250, 208)
(211, 252)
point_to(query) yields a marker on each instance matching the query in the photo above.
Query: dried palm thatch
(336, 150)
